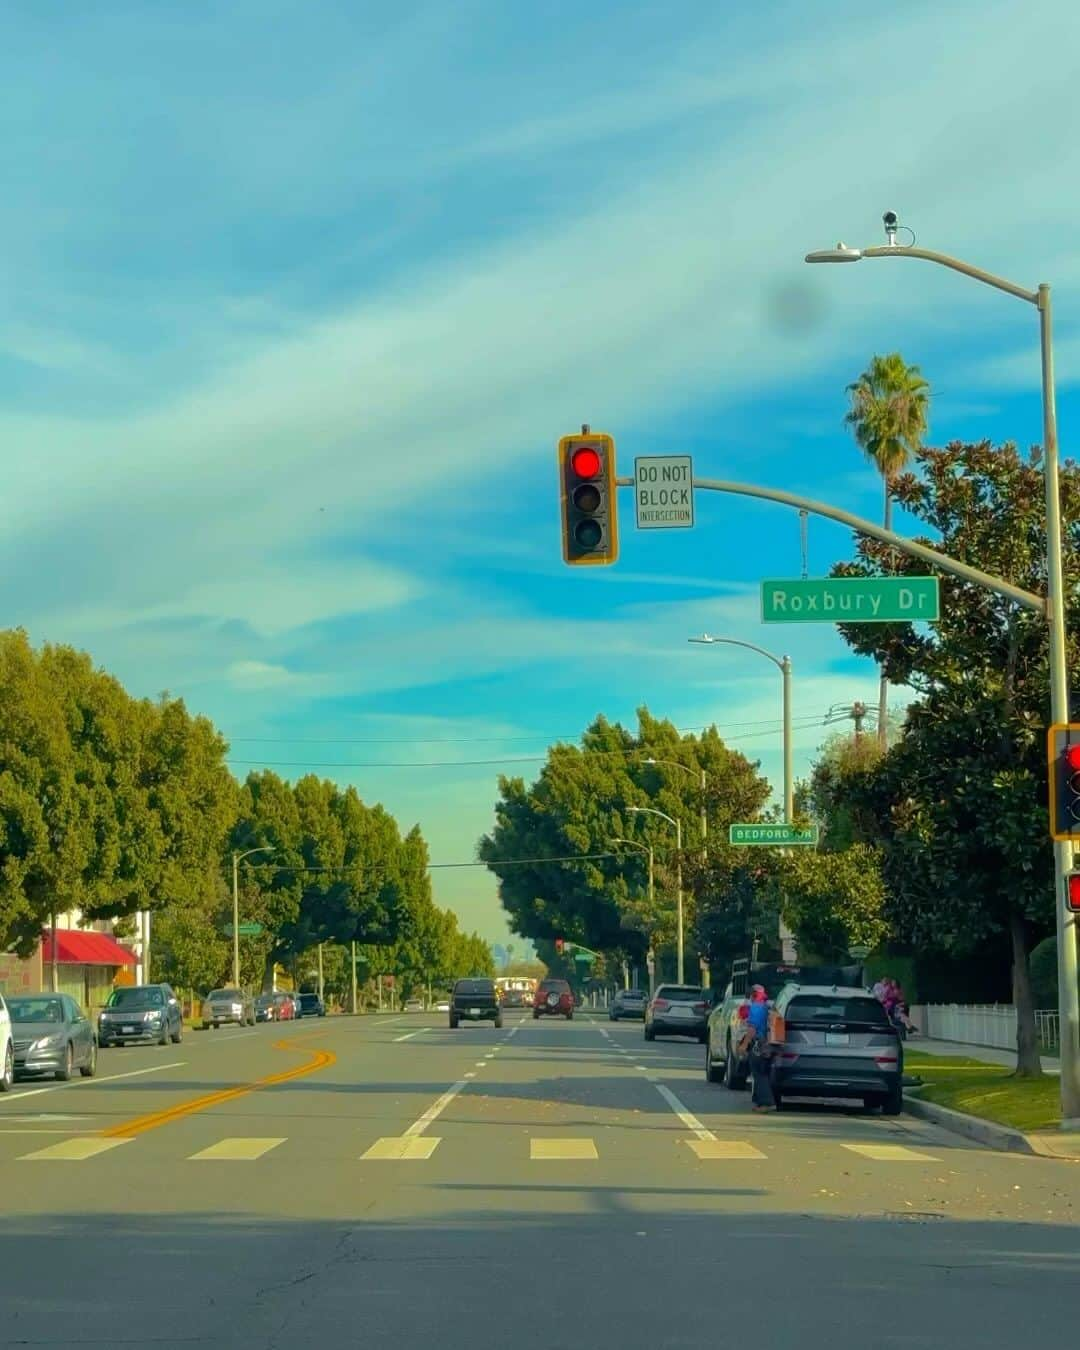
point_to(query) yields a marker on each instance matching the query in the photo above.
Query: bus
(516, 991)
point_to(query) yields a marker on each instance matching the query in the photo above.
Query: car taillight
(700, 1007)
(787, 1057)
(886, 1060)
(660, 1005)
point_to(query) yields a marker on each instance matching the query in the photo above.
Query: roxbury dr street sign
(850, 600)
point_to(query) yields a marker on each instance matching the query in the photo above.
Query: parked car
(628, 1003)
(140, 1012)
(724, 1031)
(284, 1008)
(443, 1005)
(224, 1006)
(266, 1008)
(837, 1042)
(7, 1049)
(554, 998)
(297, 1006)
(677, 1010)
(312, 1005)
(51, 1035)
(413, 1005)
(474, 1001)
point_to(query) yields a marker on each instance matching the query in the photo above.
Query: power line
(799, 724)
(432, 867)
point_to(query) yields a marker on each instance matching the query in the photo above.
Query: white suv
(7, 1050)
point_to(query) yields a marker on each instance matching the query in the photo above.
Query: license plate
(680, 1012)
(474, 1012)
(128, 1031)
(837, 1038)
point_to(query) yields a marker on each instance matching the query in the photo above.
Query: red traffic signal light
(559, 944)
(590, 525)
(1063, 765)
(1072, 892)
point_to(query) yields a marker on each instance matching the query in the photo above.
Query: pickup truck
(475, 1001)
(725, 1026)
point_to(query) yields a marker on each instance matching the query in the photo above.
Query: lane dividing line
(435, 1110)
(320, 1059)
(409, 1035)
(89, 1082)
(685, 1115)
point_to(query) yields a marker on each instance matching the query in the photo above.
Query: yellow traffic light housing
(1063, 765)
(590, 524)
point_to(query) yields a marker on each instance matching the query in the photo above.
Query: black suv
(311, 1005)
(140, 1012)
(475, 1001)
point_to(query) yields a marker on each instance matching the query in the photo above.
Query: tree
(888, 417)
(960, 801)
(594, 891)
(833, 901)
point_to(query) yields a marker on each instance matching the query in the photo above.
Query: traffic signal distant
(590, 525)
(1072, 892)
(559, 944)
(1063, 765)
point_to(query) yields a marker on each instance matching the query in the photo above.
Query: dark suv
(837, 1043)
(311, 1005)
(554, 998)
(140, 1012)
(475, 1001)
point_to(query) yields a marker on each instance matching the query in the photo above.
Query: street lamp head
(841, 253)
(703, 638)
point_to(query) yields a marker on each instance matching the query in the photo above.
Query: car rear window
(474, 987)
(632, 993)
(821, 1008)
(555, 987)
(135, 998)
(680, 993)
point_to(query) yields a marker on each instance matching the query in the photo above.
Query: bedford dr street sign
(849, 600)
(779, 834)
(664, 492)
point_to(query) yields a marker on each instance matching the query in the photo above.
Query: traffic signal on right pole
(590, 525)
(1063, 764)
(559, 944)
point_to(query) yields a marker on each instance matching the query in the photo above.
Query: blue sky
(297, 299)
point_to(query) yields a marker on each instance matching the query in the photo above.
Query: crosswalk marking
(562, 1150)
(235, 1150)
(890, 1153)
(406, 1148)
(726, 1150)
(73, 1150)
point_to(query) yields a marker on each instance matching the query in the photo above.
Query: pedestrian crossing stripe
(74, 1150)
(562, 1150)
(724, 1150)
(889, 1153)
(405, 1148)
(235, 1150)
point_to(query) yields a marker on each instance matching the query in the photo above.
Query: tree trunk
(883, 684)
(1028, 1060)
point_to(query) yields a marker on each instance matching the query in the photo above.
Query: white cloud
(261, 675)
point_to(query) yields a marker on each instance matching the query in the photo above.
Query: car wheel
(163, 1039)
(893, 1102)
(731, 1078)
(778, 1099)
(498, 1023)
(7, 1075)
(713, 1074)
(217, 1026)
(536, 1016)
(90, 1067)
(569, 1016)
(206, 1026)
(64, 1074)
(453, 1023)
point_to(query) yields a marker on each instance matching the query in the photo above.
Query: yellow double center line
(320, 1059)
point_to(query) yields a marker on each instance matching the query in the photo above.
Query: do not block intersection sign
(664, 492)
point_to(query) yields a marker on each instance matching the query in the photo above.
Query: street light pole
(652, 811)
(237, 859)
(704, 782)
(1054, 611)
(783, 664)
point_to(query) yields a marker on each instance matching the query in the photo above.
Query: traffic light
(1072, 892)
(590, 523)
(1063, 763)
(559, 945)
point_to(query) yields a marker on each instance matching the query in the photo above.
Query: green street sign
(583, 956)
(778, 835)
(245, 929)
(850, 600)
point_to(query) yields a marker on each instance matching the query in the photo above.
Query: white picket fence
(992, 1024)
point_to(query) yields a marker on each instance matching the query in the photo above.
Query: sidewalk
(987, 1054)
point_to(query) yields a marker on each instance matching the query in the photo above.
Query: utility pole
(320, 973)
(353, 949)
(858, 714)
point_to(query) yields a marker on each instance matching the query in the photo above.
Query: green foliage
(834, 900)
(888, 412)
(579, 805)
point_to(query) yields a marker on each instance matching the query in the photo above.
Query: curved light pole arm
(956, 264)
(708, 640)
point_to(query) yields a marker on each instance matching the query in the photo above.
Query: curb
(992, 1135)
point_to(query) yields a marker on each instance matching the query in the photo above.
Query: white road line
(687, 1117)
(436, 1109)
(470, 1074)
(410, 1034)
(88, 1082)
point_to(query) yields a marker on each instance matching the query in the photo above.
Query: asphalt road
(385, 1181)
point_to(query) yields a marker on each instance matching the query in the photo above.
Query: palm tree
(888, 418)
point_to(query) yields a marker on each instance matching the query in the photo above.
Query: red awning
(76, 948)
